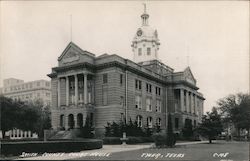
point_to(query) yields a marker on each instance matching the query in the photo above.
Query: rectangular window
(138, 102)
(158, 106)
(139, 52)
(158, 91)
(121, 78)
(137, 84)
(149, 122)
(72, 84)
(105, 78)
(105, 96)
(148, 104)
(148, 51)
(148, 88)
(176, 123)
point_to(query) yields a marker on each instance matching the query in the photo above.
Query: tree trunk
(210, 141)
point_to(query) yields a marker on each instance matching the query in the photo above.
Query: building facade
(17, 89)
(110, 88)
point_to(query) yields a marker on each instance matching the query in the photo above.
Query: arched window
(79, 120)
(158, 122)
(150, 122)
(139, 120)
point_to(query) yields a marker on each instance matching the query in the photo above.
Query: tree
(211, 125)
(187, 130)
(87, 129)
(27, 116)
(170, 140)
(236, 109)
(9, 114)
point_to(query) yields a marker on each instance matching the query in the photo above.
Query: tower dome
(145, 44)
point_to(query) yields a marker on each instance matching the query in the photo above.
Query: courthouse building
(110, 88)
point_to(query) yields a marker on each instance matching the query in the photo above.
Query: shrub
(112, 140)
(136, 140)
(87, 130)
(16, 148)
(160, 140)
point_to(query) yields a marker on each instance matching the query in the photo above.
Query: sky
(212, 37)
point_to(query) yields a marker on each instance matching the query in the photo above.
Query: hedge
(16, 148)
(131, 140)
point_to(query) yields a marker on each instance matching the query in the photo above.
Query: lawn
(221, 150)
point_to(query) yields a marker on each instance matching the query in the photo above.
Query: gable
(73, 55)
(188, 76)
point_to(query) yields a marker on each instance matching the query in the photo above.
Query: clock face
(139, 32)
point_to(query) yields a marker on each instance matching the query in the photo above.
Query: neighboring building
(26, 91)
(110, 88)
(17, 89)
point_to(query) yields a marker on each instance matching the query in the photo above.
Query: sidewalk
(106, 150)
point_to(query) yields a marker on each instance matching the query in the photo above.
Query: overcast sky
(214, 35)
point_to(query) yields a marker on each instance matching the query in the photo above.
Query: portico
(77, 89)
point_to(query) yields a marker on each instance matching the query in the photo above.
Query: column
(182, 100)
(85, 89)
(67, 91)
(58, 93)
(192, 103)
(195, 104)
(66, 122)
(187, 101)
(75, 121)
(76, 90)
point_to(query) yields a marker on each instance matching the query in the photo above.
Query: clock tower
(145, 44)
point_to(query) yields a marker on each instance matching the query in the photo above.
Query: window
(138, 102)
(150, 122)
(158, 121)
(158, 106)
(194, 123)
(47, 84)
(157, 91)
(176, 123)
(72, 84)
(148, 88)
(121, 78)
(105, 96)
(139, 120)
(139, 52)
(105, 78)
(148, 51)
(138, 84)
(80, 84)
(148, 104)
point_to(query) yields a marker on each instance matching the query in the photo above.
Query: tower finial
(144, 16)
(145, 7)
